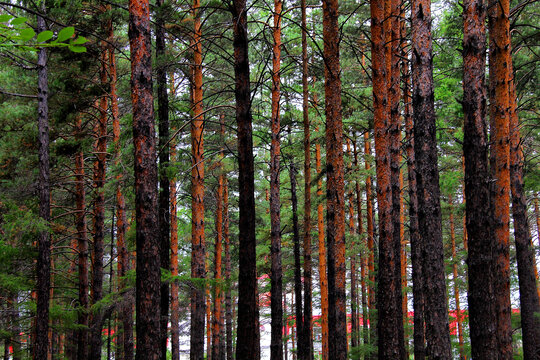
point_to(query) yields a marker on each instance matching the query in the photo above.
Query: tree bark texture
(388, 321)
(147, 243)
(82, 249)
(427, 177)
(125, 342)
(99, 176)
(335, 213)
(308, 313)
(354, 294)
(163, 197)
(198, 272)
(297, 267)
(499, 70)
(217, 319)
(276, 275)
(228, 300)
(363, 257)
(371, 302)
(247, 345)
(394, 130)
(528, 292)
(323, 279)
(175, 311)
(482, 320)
(43, 266)
(414, 232)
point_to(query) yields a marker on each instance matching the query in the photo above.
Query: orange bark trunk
(197, 193)
(175, 313)
(322, 255)
(499, 70)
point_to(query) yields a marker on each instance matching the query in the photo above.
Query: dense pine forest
(286, 180)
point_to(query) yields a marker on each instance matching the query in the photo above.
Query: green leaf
(5, 17)
(44, 36)
(18, 21)
(27, 34)
(65, 33)
(78, 41)
(77, 49)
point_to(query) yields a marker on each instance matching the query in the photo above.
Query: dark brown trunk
(371, 303)
(528, 294)
(163, 200)
(308, 317)
(43, 266)
(427, 177)
(414, 234)
(394, 130)
(482, 320)
(389, 322)
(125, 341)
(354, 295)
(147, 243)
(322, 254)
(363, 257)
(335, 214)
(247, 345)
(297, 268)
(217, 320)
(100, 152)
(276, 275)
(82, 247)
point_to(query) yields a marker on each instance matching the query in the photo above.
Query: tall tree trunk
(335, 213)
(208, 309)
(323, 280)
(163, 199)
(297, 268)
(175, 311)
(403, 272)
(500, 70)
(353, 257)
(228, 300)
(197, 193)
(389, 321)
(459, 319)
(82, 247)
(148, 275)
(394, 131)
(125, 341)
(528, 291)
(363, 257)
(427, 177)
(43, 266)
(482, 320)
(414, 234)
(276, 275)
(247, 346)
(218, 297)
(100, 152)
(370, 245)
(354, 294)
(308, 314)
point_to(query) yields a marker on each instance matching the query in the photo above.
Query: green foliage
(15, 32)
